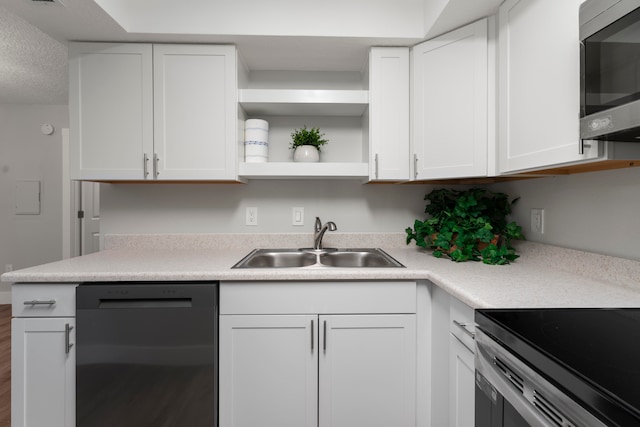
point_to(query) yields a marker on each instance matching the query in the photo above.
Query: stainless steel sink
(326, 258)
(359, 258)
(277, 258)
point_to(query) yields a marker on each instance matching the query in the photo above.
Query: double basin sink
(323, 258)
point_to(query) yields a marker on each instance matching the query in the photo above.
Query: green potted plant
(306, 144)
(468, 225)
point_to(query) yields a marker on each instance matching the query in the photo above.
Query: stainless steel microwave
(610, 70)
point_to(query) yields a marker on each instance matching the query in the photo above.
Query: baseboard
(5, 297)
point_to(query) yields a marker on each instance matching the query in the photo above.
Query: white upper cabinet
(111, 110)
(389, 114)
(194, 106)
(161, 112)
(451, 105)
(539, 89)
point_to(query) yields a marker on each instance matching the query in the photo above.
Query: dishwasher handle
(114, 303)
(136, 295)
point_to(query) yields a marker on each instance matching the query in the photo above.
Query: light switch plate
(297, 216)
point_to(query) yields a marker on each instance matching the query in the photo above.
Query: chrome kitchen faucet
(319, 232)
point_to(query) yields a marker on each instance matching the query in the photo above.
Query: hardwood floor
(5, 365)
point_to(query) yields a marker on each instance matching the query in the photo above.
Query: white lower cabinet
(305, 370)
(367, 371)
(268, 370)
(453, 365)
(42, 373)
(461, 384)
(43, 356)
(316, 369)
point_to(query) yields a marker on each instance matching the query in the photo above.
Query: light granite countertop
(544, 276)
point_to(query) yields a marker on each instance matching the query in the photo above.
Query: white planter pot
(306, 153)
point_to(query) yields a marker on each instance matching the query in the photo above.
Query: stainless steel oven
(510, 393)
(610, 70)
(557, 367)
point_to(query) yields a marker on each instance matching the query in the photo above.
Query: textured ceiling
(33, 66)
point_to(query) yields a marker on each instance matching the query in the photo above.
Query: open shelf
(303, 102)
(280, 170)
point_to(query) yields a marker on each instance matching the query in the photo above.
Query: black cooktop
(592, 354)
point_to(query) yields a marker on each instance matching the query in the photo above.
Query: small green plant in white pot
(306, 144)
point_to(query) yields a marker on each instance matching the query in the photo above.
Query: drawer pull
(40, 302)
(463, 326)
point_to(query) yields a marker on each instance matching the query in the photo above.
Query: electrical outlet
(297, 216)
(537, 221)
(251, 216)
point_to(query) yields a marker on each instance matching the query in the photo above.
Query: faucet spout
(319, 232)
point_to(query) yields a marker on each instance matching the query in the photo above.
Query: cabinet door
(461, 384)
(268, 371)
(194, 105)
(367, 371)
(43, 372)
(450, 104)
(539, 88)
(389, 114)
(110, 110)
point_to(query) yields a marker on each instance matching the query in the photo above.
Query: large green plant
(468, 225)
(306, 136)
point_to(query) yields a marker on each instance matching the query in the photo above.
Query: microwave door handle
(583, 95)
(583, 80)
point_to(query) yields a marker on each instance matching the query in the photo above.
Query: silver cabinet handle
(145, 165)
(463, 343)
(415, 166)
(312, 335)
(324, 336)
(67, 333)
(40, 302)
(156, 170)
(463, 326)
(377, 162)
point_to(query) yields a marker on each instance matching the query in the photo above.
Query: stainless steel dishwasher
(146, 354)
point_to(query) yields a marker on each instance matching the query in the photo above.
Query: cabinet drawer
(461, 323)
(44, 300)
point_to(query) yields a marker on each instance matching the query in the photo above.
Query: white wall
(594, 212)
(27, 154)
(220, 208)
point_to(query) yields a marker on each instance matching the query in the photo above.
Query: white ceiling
(34, 35)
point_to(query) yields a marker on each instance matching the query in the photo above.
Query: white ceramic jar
(256, 141)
